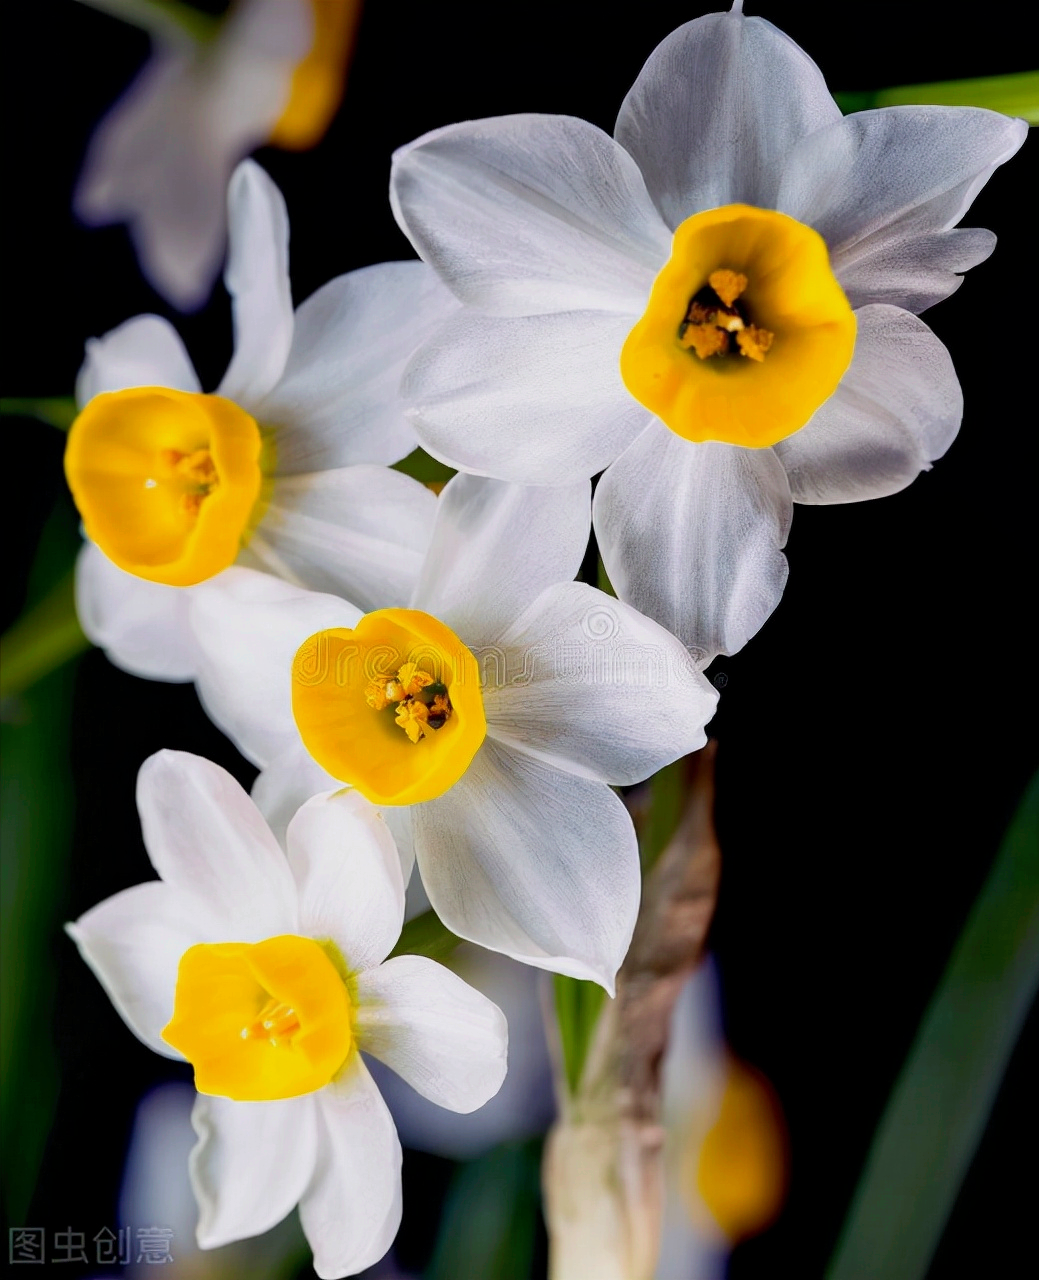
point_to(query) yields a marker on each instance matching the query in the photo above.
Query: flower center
(354, 691)
(716, 319)
(420, 701)
(260, 1021)
(166, 481)
(746, 332)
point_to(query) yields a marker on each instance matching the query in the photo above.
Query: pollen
(706, 340)
(420, 703)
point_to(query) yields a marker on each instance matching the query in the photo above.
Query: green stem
(56, 411)
(165, 19)
(425, 935)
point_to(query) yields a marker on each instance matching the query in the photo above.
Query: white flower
(588, 267)
(268, 973)
(283, 469)
(486, 720)
(162, 157)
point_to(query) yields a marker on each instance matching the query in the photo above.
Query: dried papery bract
(604, 1172)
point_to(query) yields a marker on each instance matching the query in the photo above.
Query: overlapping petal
(337, 400)
(598, 689)
(142, 626)
(257, 278)
(495, 547)
(348, 877)
(536, 399)
(351, 1210)
(251, 1164)
(885, 187)
(143, 352)
(248, 627)
(442, 1036)
(208, 840)
(133, 942)
(533, 862)
(897, 409)
(530, 213)
(357, 532)
(716, 110)
(692, 535)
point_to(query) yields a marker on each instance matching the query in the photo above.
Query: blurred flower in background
(725, 1148)
(271, 71)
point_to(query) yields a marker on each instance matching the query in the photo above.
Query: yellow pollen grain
(706, 340)
(728, 285)
(754, 342)
(413, 679)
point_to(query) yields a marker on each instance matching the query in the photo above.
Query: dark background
(875, 737)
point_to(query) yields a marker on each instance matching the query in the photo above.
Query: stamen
(754, 342)
(705, 340)
(421, 704)
(276, 1022)
(728, 285)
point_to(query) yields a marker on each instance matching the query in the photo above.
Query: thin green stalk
(938, 1109)
(44, 638)
(1014, 95)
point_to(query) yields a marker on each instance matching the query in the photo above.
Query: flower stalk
(603, 1174)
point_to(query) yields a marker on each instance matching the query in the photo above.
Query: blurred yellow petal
(317, 83)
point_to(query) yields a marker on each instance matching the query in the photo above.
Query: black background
(875, 737)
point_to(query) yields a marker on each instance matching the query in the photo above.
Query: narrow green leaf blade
(938, 1109)
(426, 935)
(1013, 95)
(56, 411)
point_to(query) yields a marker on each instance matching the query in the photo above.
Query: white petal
(257, 278)
(598, 688)
(884, 188)
(348, 876)
(251, 1164)
(442, 1036)
(351, 1211)
(248, 627)
(287, 783)
(528, 213)
(142, 626)
(533, 862)
(207, 839)
(495, 547)
(691, 534)
(338, 402)
(897, 409)
(716, 110)
(357, 532)
(134, 942)
(535, 399)
(162, 157)
(143, 352)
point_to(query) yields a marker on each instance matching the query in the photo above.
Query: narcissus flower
(486, 720)
(717, 306)
(282, 468)
(267, 971)
(272, 71)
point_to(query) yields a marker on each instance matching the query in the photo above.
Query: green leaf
(578, 1005)
(44, 638)
(938, 1109)
(420, 466)
(490, 1217)
(1014, 95)
(426, 936)
(35, 822)
(56, 411)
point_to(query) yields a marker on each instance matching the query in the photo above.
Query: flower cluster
(715, 311)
